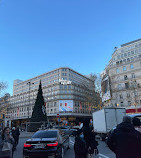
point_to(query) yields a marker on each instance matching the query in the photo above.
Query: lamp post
(29, 83)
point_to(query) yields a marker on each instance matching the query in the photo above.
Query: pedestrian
(125, 141)
(14, 136)
(80, 149)
(6, 144)
(89, 136)
(137, 124)
(17, 133)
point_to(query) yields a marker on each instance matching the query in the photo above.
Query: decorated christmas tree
(39, 116)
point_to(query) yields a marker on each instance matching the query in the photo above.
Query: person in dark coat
(17, 132)
(14, 136)
(89, 136)
(125, 141)
(80, 145)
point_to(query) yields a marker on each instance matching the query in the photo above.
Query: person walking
(80, 148)
(6, 143)
(89, 137)
(125, 141)
(14, 136)
(17, 134)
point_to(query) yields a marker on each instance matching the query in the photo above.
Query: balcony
(127, 79)
(131, 87)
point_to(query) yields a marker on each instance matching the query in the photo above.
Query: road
(103, 149)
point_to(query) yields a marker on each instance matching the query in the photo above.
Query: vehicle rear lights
(53, 144)
(27, 145)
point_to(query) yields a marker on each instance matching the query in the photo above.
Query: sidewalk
(26, 134)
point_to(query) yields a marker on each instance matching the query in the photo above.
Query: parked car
(50, 143)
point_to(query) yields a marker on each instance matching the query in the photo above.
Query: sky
(37, 36)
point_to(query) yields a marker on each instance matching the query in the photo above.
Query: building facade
(4, 104)
(66, 92)
(123, 87)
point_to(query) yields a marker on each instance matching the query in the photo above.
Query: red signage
(133, 111)
(57, 115)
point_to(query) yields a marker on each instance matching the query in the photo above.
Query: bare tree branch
(3, 86)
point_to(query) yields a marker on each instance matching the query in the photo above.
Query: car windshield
(45, 134)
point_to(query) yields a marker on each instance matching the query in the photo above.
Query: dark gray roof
(130, 42)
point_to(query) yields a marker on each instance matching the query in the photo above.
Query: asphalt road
(103, 149)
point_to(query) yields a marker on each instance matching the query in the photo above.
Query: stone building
(124, 73)
(66, 92)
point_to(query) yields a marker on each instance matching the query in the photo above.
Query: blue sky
(37, 36)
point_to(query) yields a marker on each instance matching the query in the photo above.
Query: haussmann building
(121, 79)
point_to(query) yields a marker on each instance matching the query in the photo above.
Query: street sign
(57, 115)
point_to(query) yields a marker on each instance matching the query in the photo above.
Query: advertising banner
(65, 105)
(105, 88)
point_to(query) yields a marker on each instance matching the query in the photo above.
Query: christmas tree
(39, 116)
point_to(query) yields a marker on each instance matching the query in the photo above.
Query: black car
(46, 144)
(65, 129)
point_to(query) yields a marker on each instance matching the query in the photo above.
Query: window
(131, 66)
(128, 53)
(69, 86)
(127, 85)
(128, 59)
(128, 95)
(121, 55)
(119, 86)
(118, 56)
(136, 94)
(121, 103)
(133, 75)
(45, 134)
(124, 68)
(132, 59)
(124, 60)
(136, 51)
(117, 63)
(137, 101)
(65, 87)
(132, 52)
(120, 96)
(54, 104)
(129, 103)
(117, 70)
(125, 77)
(125, 55)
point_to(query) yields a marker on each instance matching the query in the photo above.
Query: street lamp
(29, 83)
